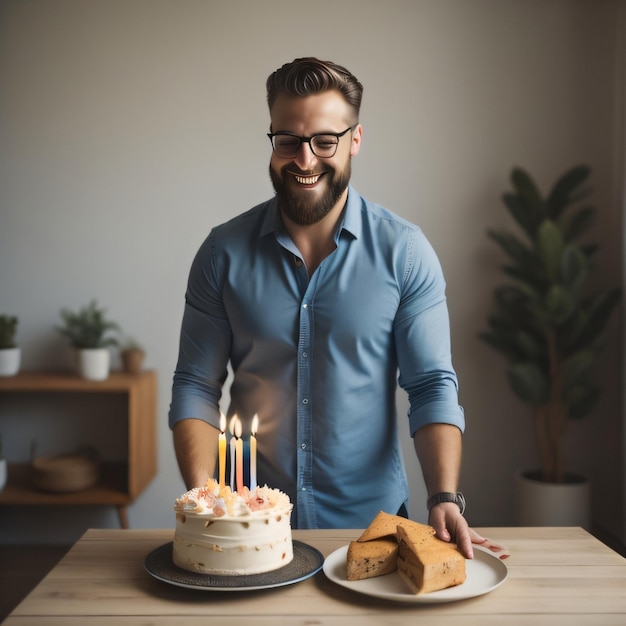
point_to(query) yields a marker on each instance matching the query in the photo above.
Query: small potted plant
(132, 354)
(10, 353)
(548, 323)
(91, 334)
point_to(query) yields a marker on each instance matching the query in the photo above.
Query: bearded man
(321, 302)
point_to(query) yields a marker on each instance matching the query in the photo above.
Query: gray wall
(129, 128)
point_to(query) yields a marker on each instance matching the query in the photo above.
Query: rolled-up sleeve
(422, 340)
(205, 340)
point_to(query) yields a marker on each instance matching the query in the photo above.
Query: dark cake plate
(306, 562)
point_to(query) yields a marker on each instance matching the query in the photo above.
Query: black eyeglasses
(323, 145)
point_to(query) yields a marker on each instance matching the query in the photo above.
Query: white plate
(485, 572)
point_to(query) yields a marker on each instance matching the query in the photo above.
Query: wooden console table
(120, 483)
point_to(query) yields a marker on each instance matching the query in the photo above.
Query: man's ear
(357, 137)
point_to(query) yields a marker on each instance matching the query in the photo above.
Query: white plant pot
(3, 473)
(10, 361)
(94, 364)
(553, 504)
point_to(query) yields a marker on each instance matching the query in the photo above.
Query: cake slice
(386, 524)
(371, 558)
(427, 563)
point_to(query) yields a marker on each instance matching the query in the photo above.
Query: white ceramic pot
(553, 504)
(94, 364)
(10, 361)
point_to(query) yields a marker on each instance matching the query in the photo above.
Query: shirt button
(304, 306)
(305, 401)
(305, 354)
(303, 446)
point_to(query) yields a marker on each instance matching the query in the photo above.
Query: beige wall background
(128, 128)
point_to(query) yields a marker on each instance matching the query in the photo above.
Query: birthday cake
(225, 532)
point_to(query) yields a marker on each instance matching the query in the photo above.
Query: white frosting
(232, 534)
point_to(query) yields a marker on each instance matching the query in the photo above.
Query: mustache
(292, 168)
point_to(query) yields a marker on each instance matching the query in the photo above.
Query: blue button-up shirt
(318, 358)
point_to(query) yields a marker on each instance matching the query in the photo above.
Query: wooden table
(557, 576)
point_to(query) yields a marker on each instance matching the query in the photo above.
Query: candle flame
(222, 422)
(237, 427)
(231, 424)
(255, 424)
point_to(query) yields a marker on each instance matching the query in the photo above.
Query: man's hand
(450, 525)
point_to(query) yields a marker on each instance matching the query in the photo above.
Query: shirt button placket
(305, 505)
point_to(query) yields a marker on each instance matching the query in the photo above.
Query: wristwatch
(458, 498)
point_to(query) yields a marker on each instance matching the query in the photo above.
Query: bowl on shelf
(65, 473)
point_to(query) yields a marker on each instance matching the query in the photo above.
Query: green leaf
(88, 328)
(579, 223)
(570, 333)
(551, 244)
(511, 245)
(8, 331)
(530, 383)
(528, 192)
(531, 279)
(576, 368)
(530, 346)
(510, 298)
(559, 304)
(574, 268)
(501, 343)
(597, 310)
(562, 194)
(520, 214)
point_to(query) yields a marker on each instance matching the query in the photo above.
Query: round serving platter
(485, 572)
(306, 562)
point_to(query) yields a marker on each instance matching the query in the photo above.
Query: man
(317, 298)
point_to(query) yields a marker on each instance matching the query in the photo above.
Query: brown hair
(308, 76)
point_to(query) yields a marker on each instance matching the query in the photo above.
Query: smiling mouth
(307, 180)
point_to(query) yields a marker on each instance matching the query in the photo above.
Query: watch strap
(445, 496)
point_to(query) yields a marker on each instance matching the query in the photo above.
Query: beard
(299, 205)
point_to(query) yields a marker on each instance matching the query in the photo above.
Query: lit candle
(255, 426)
(231, 428)
(222, 451)
(238, 456)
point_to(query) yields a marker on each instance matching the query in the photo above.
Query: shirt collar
(352, 215)
(350, 221)
(271, 222)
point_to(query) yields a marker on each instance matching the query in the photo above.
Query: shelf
(120, 483)
(20, 490)
(117, 382)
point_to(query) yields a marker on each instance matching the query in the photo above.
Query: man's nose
(305, 159)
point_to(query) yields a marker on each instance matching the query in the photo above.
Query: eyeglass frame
(308, 140)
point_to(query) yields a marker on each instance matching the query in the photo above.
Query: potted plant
(90, 333)
(548, 324)
(10, 353)
(132, 354)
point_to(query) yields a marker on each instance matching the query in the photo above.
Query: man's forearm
(438, 447)
(195, 443)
